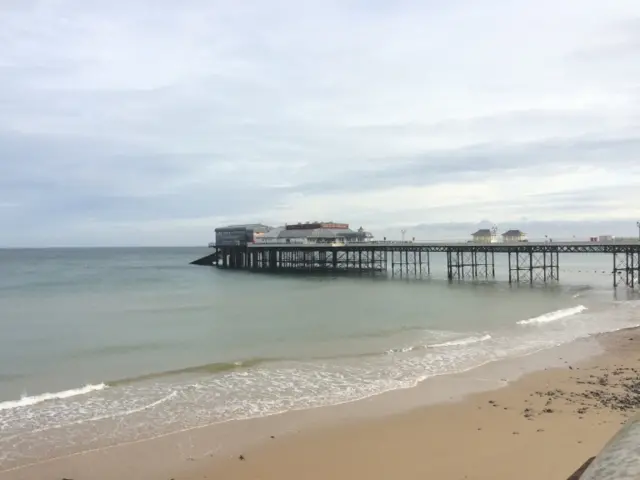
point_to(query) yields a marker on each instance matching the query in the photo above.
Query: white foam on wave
(462, 341)
(402, 350)
(125, 413)
(554, 316)
(450, 343)
(28, 401)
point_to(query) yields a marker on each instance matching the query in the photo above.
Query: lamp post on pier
(403, 231)
(638, 225)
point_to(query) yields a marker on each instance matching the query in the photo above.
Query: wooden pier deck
(528, 262)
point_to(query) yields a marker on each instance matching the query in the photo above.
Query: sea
(107, 346)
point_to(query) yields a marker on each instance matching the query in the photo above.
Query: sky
(153, 122)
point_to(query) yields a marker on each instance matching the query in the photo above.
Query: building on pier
(316, 225)
(315, 233)
(514, 236)
(272, 236)
(485, 235)
(299, 233)
(240, 234)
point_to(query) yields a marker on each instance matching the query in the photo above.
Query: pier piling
(470, 264)
(626, 268)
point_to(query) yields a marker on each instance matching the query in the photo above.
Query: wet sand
(543, 425)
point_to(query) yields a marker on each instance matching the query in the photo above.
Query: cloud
(153, 122)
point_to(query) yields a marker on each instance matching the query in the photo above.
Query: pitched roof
(483, 232)
(513, 233)
(273, 233)
(318, 233)
(308, 232)
(246, 226)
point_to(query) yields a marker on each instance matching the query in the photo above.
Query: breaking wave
(554, 316)
(451, 343)
(33, 400)
(462, 341)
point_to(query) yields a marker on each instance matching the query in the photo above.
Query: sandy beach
(543, 425)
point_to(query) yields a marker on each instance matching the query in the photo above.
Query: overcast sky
(154, 121)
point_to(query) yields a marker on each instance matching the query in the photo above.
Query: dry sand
(542, 426)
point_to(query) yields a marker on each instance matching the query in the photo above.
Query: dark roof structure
(483, 232)
(246, 226)
(273, 232)
(513, 233)
(317, 233)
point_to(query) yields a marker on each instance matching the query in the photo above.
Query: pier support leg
(530, 267)
(533, 266)
(493, 264)
(393, 262)
(486, 264)
(521, 269)
(626, 267)
(414, 258)
(473, 264)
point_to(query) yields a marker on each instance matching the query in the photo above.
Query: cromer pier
(527, 262)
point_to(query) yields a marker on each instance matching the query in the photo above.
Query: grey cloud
(619, 40)
(57, 179)
(478, 161)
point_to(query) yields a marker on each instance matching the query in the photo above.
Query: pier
(527, 262)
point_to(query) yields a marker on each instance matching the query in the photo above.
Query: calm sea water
(134, 343)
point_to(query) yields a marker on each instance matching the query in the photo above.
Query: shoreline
(192, 453)
(545, 424)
